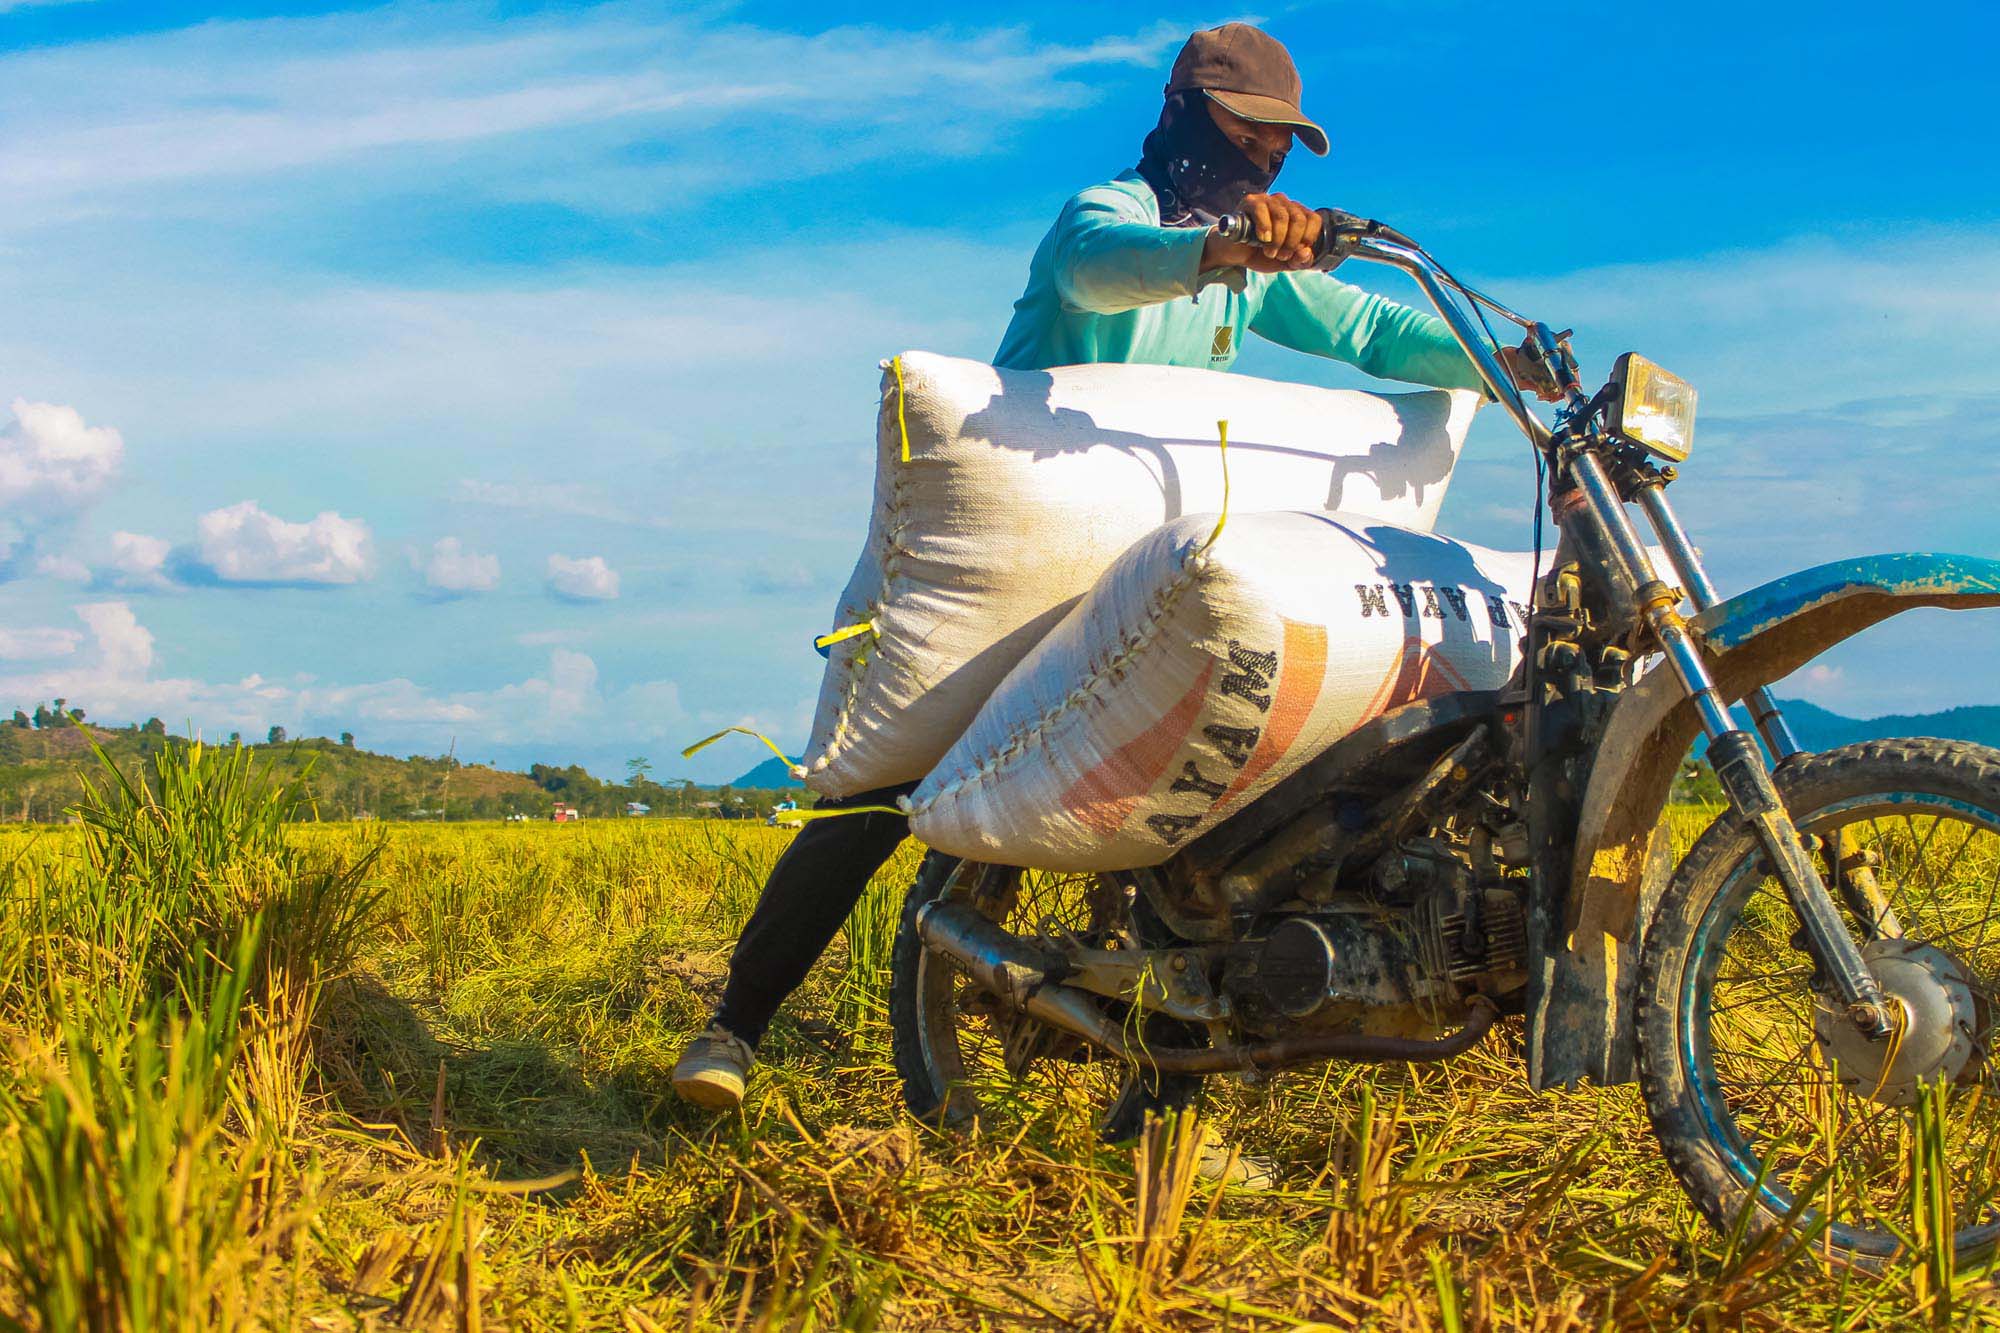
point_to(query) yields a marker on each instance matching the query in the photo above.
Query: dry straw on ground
(270, 1075)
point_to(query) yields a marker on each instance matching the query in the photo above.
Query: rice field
(268, 1075)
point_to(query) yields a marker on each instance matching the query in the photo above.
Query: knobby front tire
(1751, 1108)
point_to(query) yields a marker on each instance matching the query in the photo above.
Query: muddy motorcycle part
(1026, 980)
(954, 1036)
(1738, 764)
(1763, 1096)
(1580, 1021)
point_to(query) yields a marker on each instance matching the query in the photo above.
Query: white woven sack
(1022, 486)
(1194, 678)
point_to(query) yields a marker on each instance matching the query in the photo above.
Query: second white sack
(1193, 677)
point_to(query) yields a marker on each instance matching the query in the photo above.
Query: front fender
(1623, 857)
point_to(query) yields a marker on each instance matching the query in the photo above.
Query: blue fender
(1581, 1026)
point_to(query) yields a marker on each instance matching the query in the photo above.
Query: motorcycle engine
(1378, 965)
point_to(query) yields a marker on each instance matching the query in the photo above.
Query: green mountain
(1821, 729)
(771, 775)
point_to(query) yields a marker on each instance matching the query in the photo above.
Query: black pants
(808, 896)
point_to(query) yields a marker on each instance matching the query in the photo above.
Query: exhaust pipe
(1018, 974)
(1013, 970)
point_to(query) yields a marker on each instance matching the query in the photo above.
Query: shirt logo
(1219, 348)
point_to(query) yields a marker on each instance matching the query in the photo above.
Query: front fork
(1733, 752)
(1853, 878)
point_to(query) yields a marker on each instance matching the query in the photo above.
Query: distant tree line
(46, 716)
(44, 756)
(596, 798)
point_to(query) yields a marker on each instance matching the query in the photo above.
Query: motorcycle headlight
(1653, 408)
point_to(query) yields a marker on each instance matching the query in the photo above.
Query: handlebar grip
(1338, 232)
(1234, 228)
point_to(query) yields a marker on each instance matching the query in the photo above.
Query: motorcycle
(1803, 996)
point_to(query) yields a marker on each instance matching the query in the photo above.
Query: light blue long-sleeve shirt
(1109, 283)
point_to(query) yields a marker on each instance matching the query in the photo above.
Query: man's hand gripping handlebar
(1273, 234)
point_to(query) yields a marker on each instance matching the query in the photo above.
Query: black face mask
(1198, 174)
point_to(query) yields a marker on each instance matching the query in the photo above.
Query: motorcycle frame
(1580, 1020)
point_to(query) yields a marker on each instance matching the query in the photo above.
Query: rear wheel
(1762, 1096)
(963, 1055)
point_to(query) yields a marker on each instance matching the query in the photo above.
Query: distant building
(638, 808)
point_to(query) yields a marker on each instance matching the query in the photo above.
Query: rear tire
(1750, 1108)
(946, 1047)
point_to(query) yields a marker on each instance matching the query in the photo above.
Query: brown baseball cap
(1248, 72)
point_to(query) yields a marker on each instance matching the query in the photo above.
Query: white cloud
(114, 681)
(35, 645)
(243, 544)
(124, 646)
(1807, 323)
(1846, 397)
(138, 560)
(63, 568)
(452, 568)
(564, 695)
(52, 465)
(622, 364)
(585, 578)
(51, 461)
(569, 97)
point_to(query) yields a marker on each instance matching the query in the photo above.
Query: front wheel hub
(1936, 1007)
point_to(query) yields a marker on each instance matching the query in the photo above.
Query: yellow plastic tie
(796, 769)
(1222, 429)
(902, 426)
(801, 816)
(843, 634)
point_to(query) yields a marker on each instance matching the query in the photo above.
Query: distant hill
(770, 775)
(1821, 729)
(43, 769)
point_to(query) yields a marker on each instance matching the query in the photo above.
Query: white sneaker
(712, 1069)
(1242, 1170)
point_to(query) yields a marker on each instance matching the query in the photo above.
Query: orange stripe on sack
(1102, 799)
(1420, 673)
(1301, 676)
(1443, 677)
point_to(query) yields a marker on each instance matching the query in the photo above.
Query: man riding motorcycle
(1130, 272)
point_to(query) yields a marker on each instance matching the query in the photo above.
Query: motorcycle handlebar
(1344, 234)
(1338, 233)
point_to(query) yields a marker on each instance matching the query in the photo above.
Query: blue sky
(501, 376)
